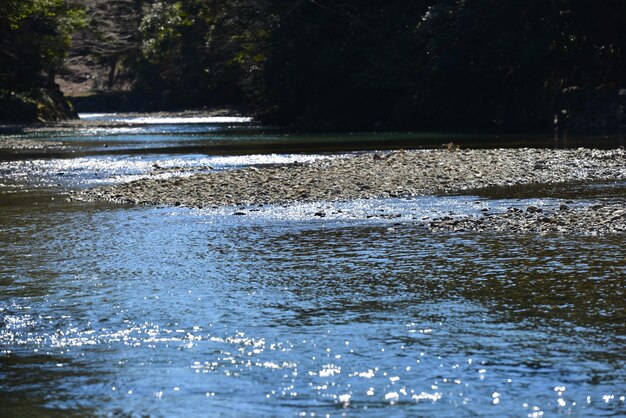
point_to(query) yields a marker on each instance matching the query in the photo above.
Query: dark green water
(110, 310)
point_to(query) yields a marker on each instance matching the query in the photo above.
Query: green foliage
(354, 64)
(202, 52)
(35, 36)
(161, 27)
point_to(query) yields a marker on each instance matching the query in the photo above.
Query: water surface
(113, 310)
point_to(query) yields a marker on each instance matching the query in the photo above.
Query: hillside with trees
(322, 64)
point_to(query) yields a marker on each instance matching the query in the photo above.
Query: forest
(321, 64)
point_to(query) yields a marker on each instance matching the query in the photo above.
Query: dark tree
(34, 38)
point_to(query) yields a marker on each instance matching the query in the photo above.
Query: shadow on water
(259, 140)
(538, 278)
(607, 190)
(36, 385)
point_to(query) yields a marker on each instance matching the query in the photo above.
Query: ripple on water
(129, 310)
(105, 170)
(167, 312)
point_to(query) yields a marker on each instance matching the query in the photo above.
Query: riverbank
(121, 120)
(375, 175)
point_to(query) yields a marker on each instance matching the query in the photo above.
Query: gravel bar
(380, 175)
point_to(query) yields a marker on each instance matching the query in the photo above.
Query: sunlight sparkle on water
(142, 120)
(110, 310)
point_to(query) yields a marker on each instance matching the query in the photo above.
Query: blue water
(112, 310)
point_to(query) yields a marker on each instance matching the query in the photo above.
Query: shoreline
(387, 175)
(71, 125)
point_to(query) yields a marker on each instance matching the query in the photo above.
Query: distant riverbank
(118, 120)
(380, 175)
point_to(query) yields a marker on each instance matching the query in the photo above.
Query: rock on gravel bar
(597, 219)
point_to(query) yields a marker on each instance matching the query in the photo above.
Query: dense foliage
(34, 38)
(421, 63)
(443, 63)
(322, 63)
(198, 52)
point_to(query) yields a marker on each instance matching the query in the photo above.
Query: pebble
(391, 174)
(599, 219)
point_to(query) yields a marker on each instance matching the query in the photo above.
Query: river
(118, 310)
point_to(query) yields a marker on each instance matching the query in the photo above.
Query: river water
(113, 310)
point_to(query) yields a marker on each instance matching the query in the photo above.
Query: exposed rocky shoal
(13, 143)
(372, 175)
(381, 175)
(596, 219)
